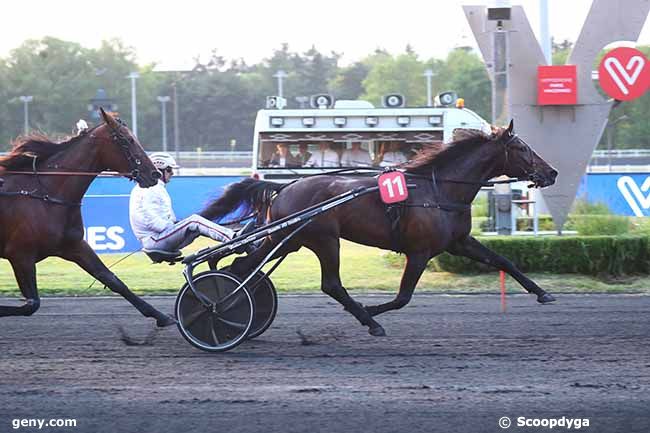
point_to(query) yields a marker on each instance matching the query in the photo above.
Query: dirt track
(449, 364)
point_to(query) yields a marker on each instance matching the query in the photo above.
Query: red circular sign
(624, 73)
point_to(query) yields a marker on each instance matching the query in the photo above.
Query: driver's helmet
(163, 160)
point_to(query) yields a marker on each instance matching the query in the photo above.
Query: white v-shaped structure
(565, 136)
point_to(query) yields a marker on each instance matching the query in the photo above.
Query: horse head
(521, 161)
(121, 151)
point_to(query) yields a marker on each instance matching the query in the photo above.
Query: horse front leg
(415, 265)
(473, 249)
(25, 273)
(85, 257)
(327, 251)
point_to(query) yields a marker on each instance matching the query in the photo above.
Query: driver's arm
(157, 215)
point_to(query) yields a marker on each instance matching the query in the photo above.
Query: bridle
(532, 174)
(123, 142)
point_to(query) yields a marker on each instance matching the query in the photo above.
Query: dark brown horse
(436, 217)
(40, 213)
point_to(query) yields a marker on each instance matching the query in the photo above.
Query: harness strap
(451, 207)
(394, 214)
(46, 198)
(116, 135)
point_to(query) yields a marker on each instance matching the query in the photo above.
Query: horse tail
(256, 195)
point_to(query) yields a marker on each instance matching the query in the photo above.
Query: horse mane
(439, 154)
(26, 147)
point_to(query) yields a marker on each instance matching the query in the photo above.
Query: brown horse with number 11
(435, 218)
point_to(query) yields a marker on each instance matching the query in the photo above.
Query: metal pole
(164, 124)
(544, 31)
(163, 102)
(535, 216)
(610, 138)
(26, 100)
(26, 104)
(500, 100)
(134, 113)
(609, 147)
(429, 74)
(500, 117)
(280, 75)
(176, 132)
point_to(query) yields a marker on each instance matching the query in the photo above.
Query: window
(333, 150)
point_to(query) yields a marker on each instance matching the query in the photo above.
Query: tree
(62, 77)
(464, 72)
(56, 73)
(560, 51)
(218, 102)
(315, 71)
(348, 83)
(5, 135)
(400, 74)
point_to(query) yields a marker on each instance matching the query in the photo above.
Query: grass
(363, 269)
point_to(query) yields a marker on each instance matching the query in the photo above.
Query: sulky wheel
(218, 319)
(265, 299)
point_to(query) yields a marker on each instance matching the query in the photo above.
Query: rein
(360, 170)
(70, 173)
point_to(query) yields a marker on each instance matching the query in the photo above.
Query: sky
(173, 33)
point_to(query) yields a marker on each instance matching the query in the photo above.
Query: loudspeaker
(394, 100)
(322, 100)
(275, 102)
(445, 99)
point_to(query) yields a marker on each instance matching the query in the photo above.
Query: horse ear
(511, 126)
(110, 121)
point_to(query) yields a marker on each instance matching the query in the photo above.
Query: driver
(153, 220)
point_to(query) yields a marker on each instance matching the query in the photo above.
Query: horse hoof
(377, 331)
(545, 298)
(165, 321)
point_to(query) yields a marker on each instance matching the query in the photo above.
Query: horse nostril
(554, 173)
(156, 174)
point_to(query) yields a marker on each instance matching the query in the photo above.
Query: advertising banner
(556, 85)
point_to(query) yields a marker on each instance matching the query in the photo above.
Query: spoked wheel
(218, 319)
(265, 298)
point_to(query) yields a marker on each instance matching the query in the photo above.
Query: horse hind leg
(85, 257)
(25, 272)
(327, 251)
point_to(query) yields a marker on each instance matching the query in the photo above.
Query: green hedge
(614, 255)
(588, 225)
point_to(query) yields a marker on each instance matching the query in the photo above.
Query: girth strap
(394, 214)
